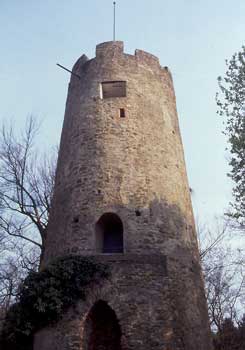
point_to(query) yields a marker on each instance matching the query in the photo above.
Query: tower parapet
(110, 48)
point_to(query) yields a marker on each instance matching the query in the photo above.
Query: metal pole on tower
(114, 20)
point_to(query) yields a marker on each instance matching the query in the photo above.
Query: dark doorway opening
(109, 234)
(102, 330)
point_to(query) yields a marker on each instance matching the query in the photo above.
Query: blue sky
(192, 38)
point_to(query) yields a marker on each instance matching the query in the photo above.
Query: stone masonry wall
(158, 307)
(113, 164)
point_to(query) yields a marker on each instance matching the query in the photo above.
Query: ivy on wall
(44, 296)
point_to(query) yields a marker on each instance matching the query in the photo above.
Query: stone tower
(122, 196)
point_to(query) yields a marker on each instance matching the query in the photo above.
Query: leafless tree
(224, 272)
(26, 186)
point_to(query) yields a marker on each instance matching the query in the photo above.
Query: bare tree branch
(26, 185)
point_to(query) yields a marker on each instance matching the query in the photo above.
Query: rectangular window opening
(113, 89)
(122, 113)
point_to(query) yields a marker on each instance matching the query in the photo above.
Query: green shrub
(44, 296)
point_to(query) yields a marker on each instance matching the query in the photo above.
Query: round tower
(122, 196)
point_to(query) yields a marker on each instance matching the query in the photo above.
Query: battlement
(115, 49)
(146, 57)
(109, 47)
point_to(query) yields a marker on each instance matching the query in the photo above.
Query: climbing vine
(44, 296)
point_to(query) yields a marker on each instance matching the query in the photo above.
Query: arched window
(109, 234)
(101, 328)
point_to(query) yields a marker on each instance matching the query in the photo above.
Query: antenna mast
(114, 20)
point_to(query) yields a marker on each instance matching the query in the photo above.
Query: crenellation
(146, 58)
(109, 48)
(79, 64)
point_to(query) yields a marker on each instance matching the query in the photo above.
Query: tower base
(147, 304)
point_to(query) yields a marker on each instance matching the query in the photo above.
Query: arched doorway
(102, 330)
(109, 234)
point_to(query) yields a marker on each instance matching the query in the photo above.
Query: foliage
(44, 296)
(231, 104)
